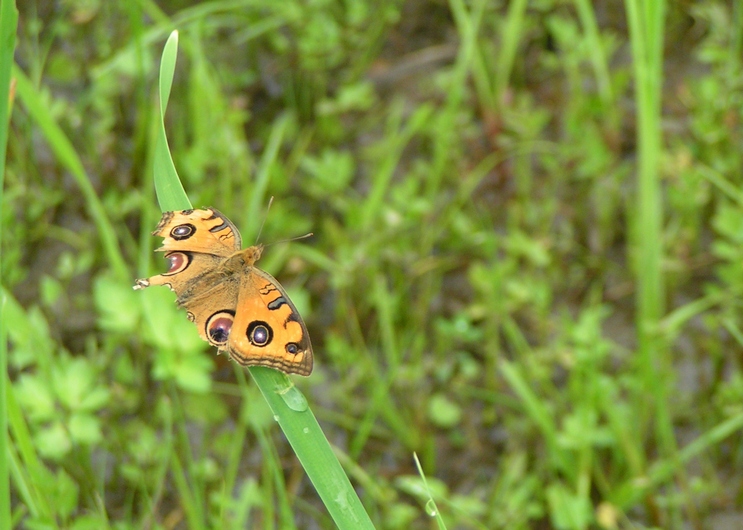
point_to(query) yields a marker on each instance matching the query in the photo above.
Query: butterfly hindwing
(268, 329)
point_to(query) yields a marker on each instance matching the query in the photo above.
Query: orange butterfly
(236, 307)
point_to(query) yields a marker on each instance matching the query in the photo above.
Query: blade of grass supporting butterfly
(168, 187)
(8, 24)
(287, 403)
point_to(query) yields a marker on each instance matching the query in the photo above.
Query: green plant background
(526, 267)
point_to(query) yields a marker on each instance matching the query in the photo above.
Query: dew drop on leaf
(294, 399)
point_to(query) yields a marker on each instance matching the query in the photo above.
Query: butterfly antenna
(310, 234)
(270, 202)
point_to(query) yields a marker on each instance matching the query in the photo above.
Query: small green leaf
(85, 429)
(89, 522)
(73, 380)
(28, 332)
(95, 399)
(443, 412)
(567, 510)
(53, 442)
(66, 494)
(117, 305)
(415, 486)
(190, 370)
(194, 373)
(165, 326)
(330, 172)
(51, 290)
(35, 397)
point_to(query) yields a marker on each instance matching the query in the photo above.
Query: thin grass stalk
(468, 27)
(8, 25)
(431, 507)
(189, 503)
(509, 42)
(162, 467)
(736, 39)
(646, 34)
(30, 474)
(263, 174)
(631, 492)
(597, 53)
(288, 405)
(278, 503)
(646, 24)
(192, 489)
(237, 442)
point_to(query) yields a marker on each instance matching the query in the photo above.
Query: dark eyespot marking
(277, 303)
(292, 348)
(182, 232)
(259, 333)
(218, 327)
(177, 262)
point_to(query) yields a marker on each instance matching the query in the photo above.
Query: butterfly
(236, 307)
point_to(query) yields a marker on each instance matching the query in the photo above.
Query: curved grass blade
(287, 403)
(168, 187)
(431, 507)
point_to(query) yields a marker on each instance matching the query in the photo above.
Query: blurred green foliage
(468, 172)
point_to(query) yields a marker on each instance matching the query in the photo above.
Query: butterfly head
(250, 255)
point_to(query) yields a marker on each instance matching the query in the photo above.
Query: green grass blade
(170, 192)
(654, 361)
(646, 33)
(431, 507)
(512, 36)
(535, 407)
(30, 471)
(312, 448)
(598, 58)
(663, 471)
(191, 506)
(8, 24)
(270, 153)
(64, 151)
(287, 403)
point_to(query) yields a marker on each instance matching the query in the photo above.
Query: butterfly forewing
(207, 231)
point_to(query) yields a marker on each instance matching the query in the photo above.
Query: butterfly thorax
(244, 258)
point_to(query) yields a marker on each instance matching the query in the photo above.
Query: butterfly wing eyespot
(259, 333)
(184, 231)
(177, 262)
(292, 348)
(218, 327)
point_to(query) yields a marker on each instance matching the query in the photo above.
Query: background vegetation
(517, 272)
